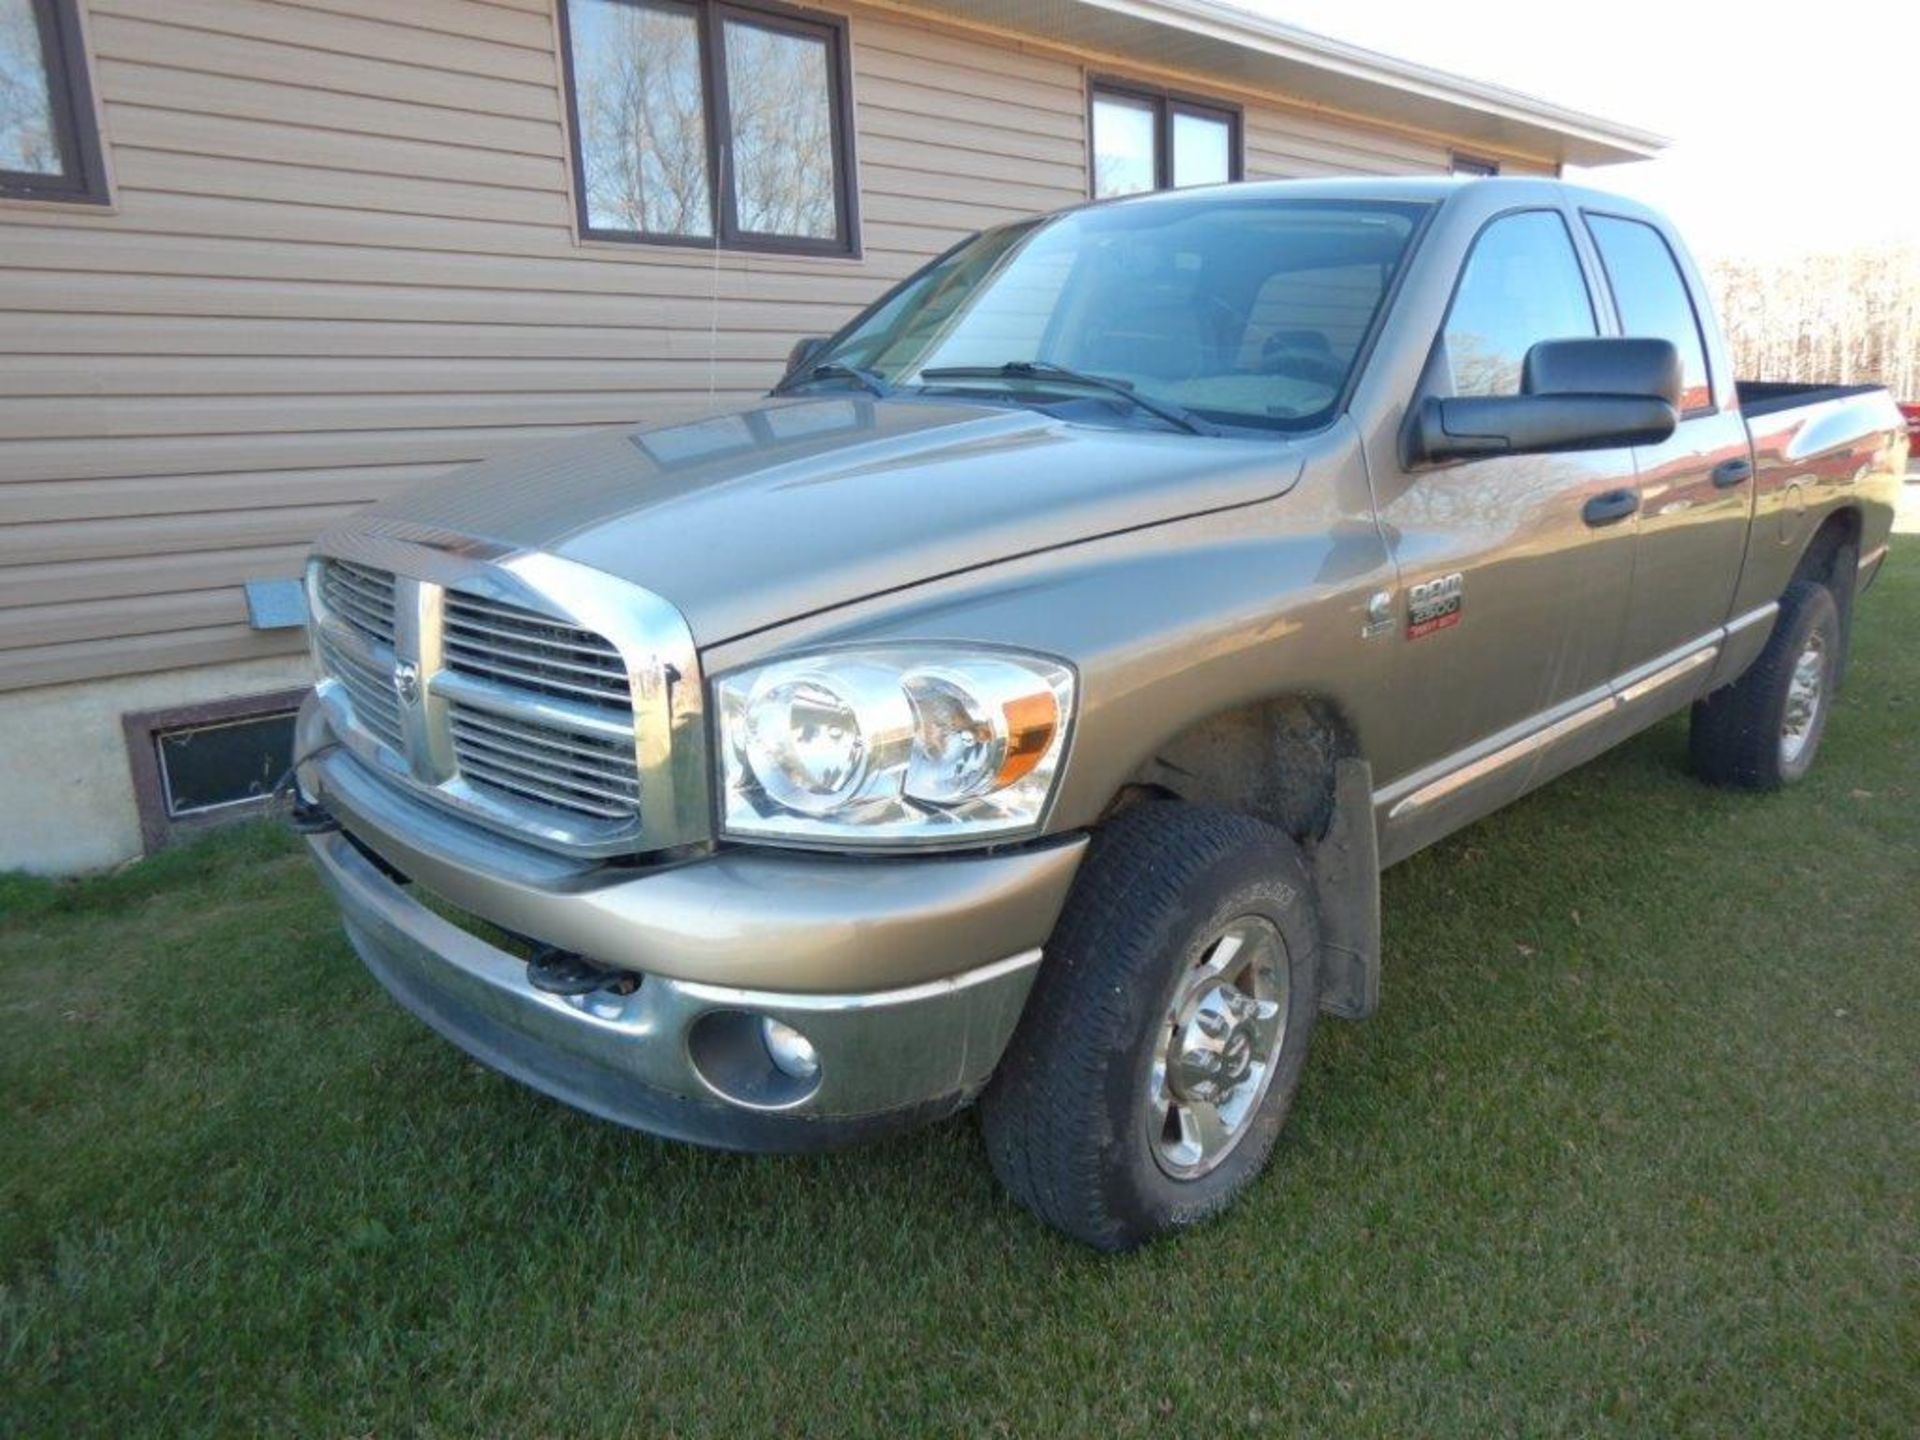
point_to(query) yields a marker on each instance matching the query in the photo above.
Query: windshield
(1239, 311)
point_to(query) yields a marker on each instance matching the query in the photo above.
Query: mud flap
(1346, 880)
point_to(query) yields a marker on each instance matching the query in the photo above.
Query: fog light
(791, 1052)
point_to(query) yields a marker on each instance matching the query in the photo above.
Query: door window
(1522, 285)
(1652, 298)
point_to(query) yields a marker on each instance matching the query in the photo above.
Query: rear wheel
(1164, 1040)
(1764, 730)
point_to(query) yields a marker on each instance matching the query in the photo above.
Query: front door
(1514, 570)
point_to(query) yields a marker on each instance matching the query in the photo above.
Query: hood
(759, 515)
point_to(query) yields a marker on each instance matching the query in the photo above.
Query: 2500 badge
(1435, 604)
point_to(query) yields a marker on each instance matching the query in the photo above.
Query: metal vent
(523, 649)
(361, 597)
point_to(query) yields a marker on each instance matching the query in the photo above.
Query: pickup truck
(1021, 702)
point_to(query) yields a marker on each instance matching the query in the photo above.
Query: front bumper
(718, 943)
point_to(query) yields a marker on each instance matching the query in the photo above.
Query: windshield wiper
(836, 370)
(1046, 370)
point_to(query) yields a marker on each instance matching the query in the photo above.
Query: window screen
(205, 767)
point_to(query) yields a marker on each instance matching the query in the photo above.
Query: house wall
(342, 256)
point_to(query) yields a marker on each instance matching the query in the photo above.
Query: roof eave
(1212, 38)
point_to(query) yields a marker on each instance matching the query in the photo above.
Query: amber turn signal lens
(1032, 722)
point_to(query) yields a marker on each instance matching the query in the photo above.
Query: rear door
(1514, 570)
(1696, 488)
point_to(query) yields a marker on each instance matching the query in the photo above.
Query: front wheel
(1164, 1039)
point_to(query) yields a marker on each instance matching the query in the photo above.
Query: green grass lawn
(1632, 1148)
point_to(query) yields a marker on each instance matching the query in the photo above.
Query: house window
(1149, 140)
(49, 146)
(1468, 165)
(710, 124)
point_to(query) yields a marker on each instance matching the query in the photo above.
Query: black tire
(1737, 732)
(1067, 1118)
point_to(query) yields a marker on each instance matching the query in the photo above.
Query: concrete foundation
(66, 794)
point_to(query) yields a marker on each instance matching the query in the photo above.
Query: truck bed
(1764, 397)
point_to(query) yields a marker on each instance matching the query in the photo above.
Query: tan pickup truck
(1022, 701)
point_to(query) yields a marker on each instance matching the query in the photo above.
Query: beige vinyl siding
(1286, 144)
(341, 257)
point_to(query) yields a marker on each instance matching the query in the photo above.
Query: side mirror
(1576, 395)
(803, 351)
(1612, 366)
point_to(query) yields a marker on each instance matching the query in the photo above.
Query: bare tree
(1850, 316)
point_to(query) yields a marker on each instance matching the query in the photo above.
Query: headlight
(892, 745)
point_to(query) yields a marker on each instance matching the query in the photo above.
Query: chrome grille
(560, 749)
(521, 648)
(368, 687)
(357, 647)
(544, 762)
(360, 596)
(452, 674)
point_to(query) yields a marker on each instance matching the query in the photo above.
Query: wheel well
(1273, 759)
(1837, 537)
(1837, 532)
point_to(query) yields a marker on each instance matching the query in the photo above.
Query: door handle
(1729, 473)
(1610, 508)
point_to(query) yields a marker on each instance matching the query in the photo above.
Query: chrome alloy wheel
(1806, 693)
(1217, 1047)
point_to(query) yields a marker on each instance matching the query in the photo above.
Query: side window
(1652, 297)
(1522, 285)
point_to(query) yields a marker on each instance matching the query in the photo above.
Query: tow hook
(310, 817)
(304, 816)
(560, 972)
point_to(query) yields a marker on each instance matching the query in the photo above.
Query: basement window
(49, 143)
(717, 125)
(205, 764)
(1147, 139)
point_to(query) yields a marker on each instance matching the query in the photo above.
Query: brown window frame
(1166, 104)
(159, 826)
(76, 132)
(710, 17)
